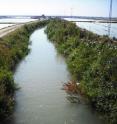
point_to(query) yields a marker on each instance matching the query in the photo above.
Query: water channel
(40, 99)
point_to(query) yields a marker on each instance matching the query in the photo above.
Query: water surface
(16, 20)
(6, 22)
(5, 25)
(96, 27)
(99, 28)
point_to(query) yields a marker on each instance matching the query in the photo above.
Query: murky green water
(40, 100)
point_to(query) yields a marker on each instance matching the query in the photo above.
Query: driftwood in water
(71, 87)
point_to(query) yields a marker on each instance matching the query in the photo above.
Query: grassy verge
(13, 48)
(92, 60)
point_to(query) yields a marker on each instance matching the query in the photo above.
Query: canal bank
(92, 61)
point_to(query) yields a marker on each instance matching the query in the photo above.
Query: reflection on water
(40, 99)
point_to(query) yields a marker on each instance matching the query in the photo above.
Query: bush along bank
(13, 48)
(92, 60)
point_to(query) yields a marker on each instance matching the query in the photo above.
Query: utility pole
(110, 16)
(71, 12)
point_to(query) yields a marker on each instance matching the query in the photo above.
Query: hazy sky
(57, 7)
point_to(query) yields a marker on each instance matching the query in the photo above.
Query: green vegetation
(92, 60)
(13, 48)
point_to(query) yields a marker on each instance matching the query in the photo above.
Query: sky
(58, 7)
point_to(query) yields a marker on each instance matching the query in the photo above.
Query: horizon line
(57, 16)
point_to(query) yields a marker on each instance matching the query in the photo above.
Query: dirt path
(6, 30)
